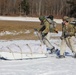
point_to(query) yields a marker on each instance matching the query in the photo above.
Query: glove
(56, 31)
(63, 23)
(43, 34)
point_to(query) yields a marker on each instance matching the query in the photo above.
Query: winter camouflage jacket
(47, 27)
(68, 30)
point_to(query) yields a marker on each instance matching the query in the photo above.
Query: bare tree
(58, 8)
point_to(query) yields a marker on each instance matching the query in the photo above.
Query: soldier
(68, 37)
(46, 30)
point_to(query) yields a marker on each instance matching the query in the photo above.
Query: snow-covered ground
(42, 66)
(49, 65)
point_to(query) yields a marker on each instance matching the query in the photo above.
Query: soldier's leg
(62, 47)
(68, 43)
(40, 37)
(46, 41)
(72, 44)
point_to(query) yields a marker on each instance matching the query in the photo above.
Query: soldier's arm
(46, 27)
(42, 29)
(63, 31)
(55, 24)
(72, 30)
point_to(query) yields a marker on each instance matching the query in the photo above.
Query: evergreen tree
(25, 6)
(72, 8)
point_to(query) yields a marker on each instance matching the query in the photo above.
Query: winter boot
(61, 56)
(52, 50)
(57, 52)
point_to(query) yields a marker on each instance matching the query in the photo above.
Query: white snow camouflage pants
(70, 42)
(45, 40)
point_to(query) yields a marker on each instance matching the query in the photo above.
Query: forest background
(36, 8)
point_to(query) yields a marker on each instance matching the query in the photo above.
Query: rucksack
(74, 23)
(52, 23)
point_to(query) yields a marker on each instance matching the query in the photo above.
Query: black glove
(63, 23)
(56, 31)
(43, 34)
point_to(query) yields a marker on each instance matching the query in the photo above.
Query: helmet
(41, 18)
(66, 18)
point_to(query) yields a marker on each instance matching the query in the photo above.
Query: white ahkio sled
(27, 51)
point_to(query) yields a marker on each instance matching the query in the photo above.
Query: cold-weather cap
(66, 18)
(41, 18)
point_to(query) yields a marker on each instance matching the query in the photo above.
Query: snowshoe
(61, 56)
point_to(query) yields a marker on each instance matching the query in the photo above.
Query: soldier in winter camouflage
(46, 30)
(68, 37)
